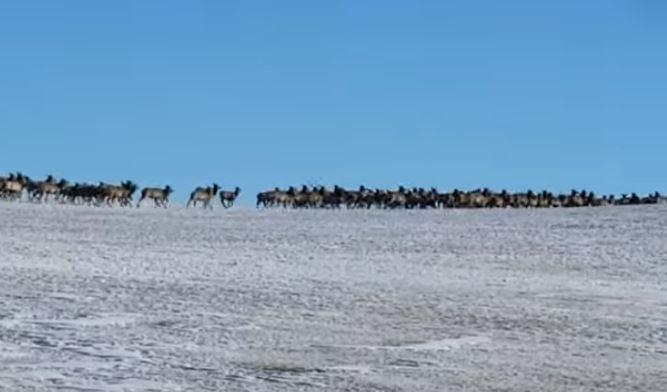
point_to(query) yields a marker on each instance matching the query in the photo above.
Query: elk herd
(420, 198)
(18, 186)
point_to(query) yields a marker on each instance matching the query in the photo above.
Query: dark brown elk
(227, 198)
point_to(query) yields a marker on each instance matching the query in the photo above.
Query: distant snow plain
(110, 299)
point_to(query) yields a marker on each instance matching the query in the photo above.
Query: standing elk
(203, 195)
(114, 193)
(227, 198)
(11, 188)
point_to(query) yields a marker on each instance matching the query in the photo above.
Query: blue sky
(512, 94)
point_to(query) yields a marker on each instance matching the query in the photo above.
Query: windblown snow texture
(100, 299)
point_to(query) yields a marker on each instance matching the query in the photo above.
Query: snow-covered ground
(100, 299)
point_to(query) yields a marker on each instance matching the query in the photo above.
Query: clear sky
(505, 94)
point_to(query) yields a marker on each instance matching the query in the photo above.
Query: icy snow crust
(99, 299)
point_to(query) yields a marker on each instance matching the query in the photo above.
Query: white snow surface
(102, 299)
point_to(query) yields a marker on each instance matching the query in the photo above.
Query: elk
(160, 196)
(227, 198)
(203, 195)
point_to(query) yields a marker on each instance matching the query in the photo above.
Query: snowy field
(99, 299)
